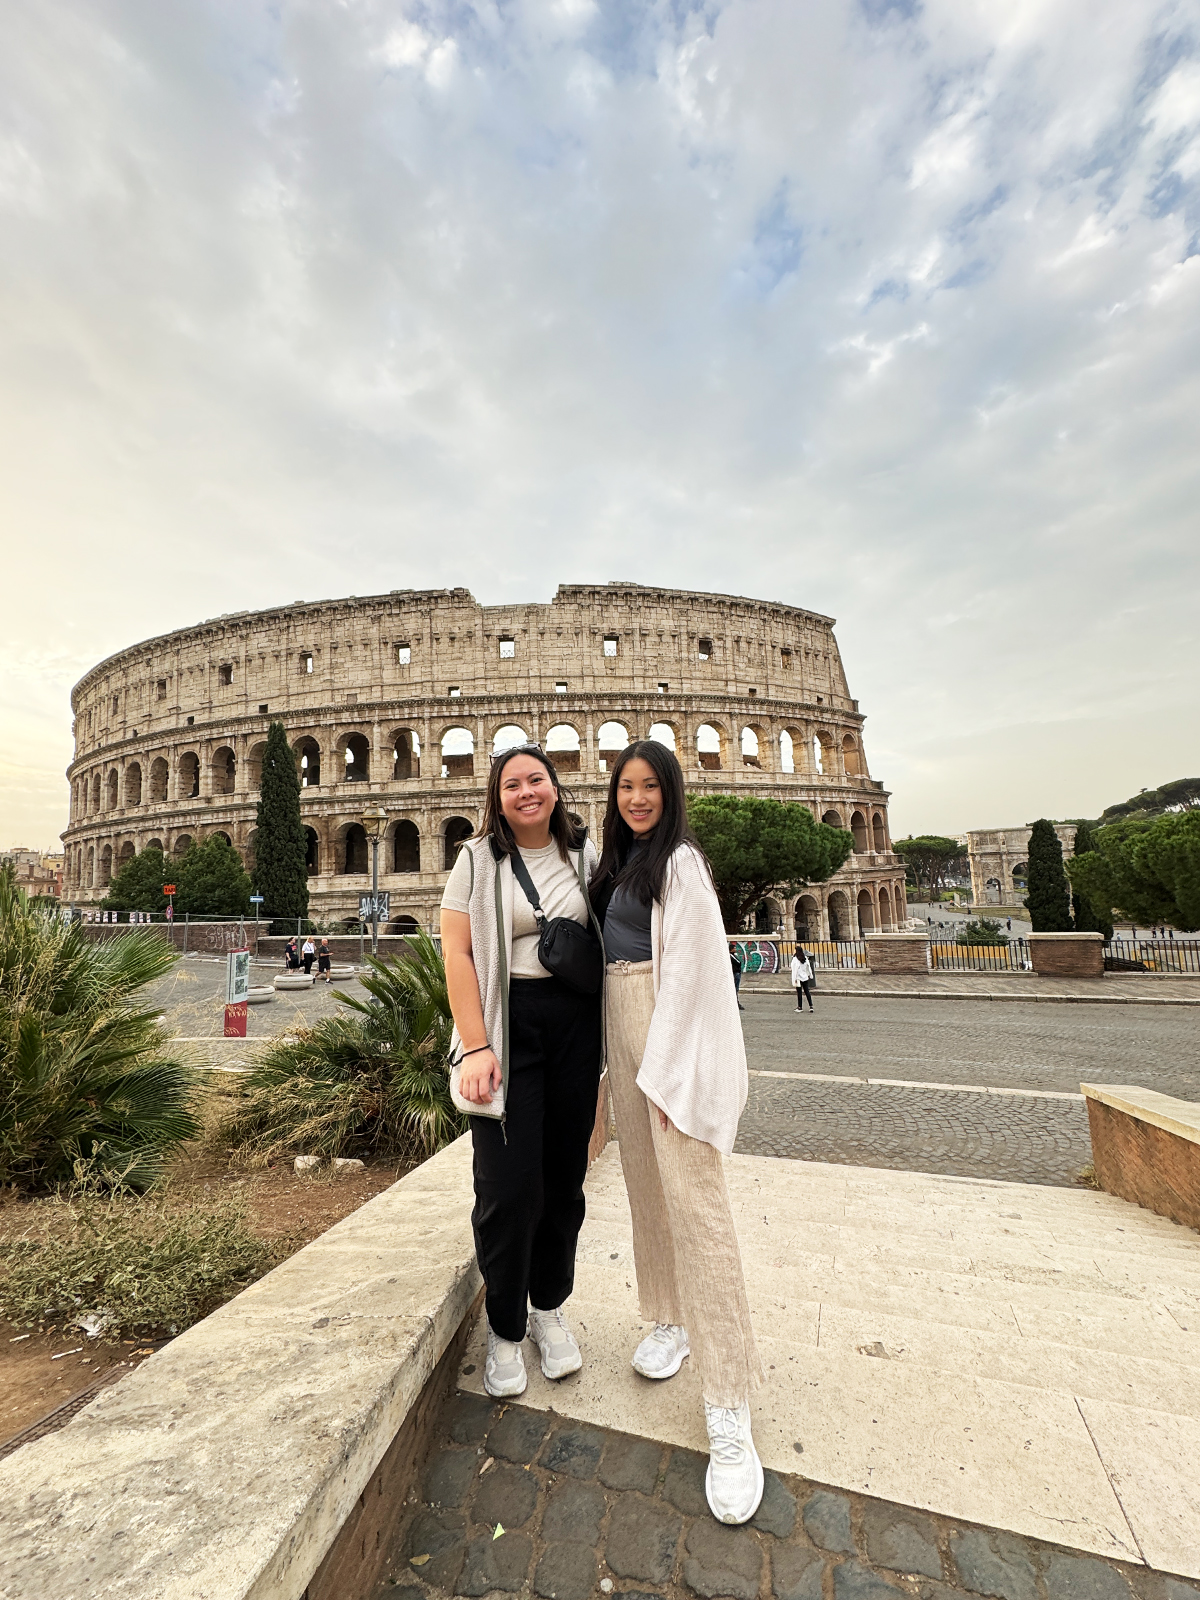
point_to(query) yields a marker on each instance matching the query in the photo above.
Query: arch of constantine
(399, 700)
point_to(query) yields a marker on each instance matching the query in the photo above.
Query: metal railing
(950, 956)
(767, 956)
(1152, 955)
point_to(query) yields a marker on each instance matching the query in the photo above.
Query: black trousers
(803, 991)
(529, 1204)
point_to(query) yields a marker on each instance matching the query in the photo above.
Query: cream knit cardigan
(694, 1066)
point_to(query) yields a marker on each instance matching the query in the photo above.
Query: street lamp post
(374, 821)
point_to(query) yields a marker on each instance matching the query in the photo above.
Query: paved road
(1022, 1138)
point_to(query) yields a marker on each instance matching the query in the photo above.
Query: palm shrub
(373, 1081)
(87, 1086)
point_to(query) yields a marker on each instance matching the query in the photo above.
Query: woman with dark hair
(677, 1074)
(525, 1045)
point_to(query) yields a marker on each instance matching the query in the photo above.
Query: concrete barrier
(1067, 955)
(1146, 1148)
(235, 1463)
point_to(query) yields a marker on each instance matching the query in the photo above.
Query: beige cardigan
(694, 1066)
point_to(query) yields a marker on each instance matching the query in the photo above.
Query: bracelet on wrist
(474, 1052)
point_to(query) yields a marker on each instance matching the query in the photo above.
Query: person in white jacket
(802, 977)
(677, 1071)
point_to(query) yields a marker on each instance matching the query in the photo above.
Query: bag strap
(521, 874)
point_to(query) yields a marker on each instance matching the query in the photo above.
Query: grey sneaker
(560, 1353)
(734, 1480)
(662, 1353)
(504, 1370)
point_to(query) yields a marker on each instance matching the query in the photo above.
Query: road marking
(905, 1083)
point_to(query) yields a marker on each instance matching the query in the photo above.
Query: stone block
(1083, 1578)
(518, 1435)
(447, 1477)
(347, 1166)
(796, 1573)
(1067, 955)
(995, 1564)
(565, 1572)
(306, 1164)
(435, 1542)
(630, 1464)
(507, 1495)
(777, 1512)
(573, 1450)
(1146, 1148)
(722, 1561)
(641, 1540)
(852, 1581)
(573, 1514)
(826, 1519)
(683, 1485)
(468, 1417)
(898, 952)
(903, 1541)
(491, 1564)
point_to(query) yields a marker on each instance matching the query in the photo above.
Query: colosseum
(398, 701)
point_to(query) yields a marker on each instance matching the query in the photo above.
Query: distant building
(37, 871)
(999, 860)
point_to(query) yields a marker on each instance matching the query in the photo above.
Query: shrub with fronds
(371, 1082)
(88, 1085)
(120, 1267)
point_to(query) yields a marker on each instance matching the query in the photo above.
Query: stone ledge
(1146, 1148)
(224, 1467)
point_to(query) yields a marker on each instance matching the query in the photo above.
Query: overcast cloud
(885, 309)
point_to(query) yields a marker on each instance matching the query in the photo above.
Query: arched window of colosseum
(663, 733)
(308, 760)
(850, 757)
(154, 844)
(189, 775)
(823, 754)
(885, 908)
(611, 739)
(878, 832)
(808, 919)
(858, 827)
(833, 819)
(787, 752)
(751, 754)
(562, 746)
(159, 773)
(133, 784)
(354, 849)
(406, 848)
(106, 866)
(508, 737)
(458, 753)
(182, 845)
(839, 916)
(454, 831)
(224, 770)
(224, 837)
(403, 925)
(768, 916)
(708, 747)
(90, 878)
(357, 757)
(95, 791)
(126, 855)
(114, 784)
(254, 761)
(406, 754)
(866, 912)
(312, 851)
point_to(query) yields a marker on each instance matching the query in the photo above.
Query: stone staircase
(1020, 1357)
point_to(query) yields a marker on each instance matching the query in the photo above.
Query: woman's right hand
(480, 1077)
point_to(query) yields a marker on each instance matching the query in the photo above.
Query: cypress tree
(1087, 918)
(1049, 898)
(280, 874)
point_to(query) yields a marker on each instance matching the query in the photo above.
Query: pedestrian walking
(309, 953)
(735, 962)
(291, 956)
(802, 977)
(526, 1054)
(677, 1070)
(324, 961)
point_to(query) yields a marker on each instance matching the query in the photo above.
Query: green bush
(371, 1083)
(87, 1088)
(132, 1268)
(985, 930)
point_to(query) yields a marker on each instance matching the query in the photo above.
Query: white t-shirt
(557, 884)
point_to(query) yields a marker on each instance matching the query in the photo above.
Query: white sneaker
(662, 1353)
(504, 1370)
(734, 1480)
(560, 1353)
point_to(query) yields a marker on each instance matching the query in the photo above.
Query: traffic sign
(168, 888)
(256, 899)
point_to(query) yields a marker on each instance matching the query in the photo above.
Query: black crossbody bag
(567, 949)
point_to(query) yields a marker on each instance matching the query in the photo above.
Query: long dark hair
(565, 829)
(642, 878)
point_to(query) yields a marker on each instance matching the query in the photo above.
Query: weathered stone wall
(414, 687)
(898, 952)
(1142, 1160)
(1067, 955)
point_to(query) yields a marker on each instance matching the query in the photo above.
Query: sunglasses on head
(530, 749)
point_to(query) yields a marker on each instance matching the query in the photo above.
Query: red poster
(235, 1020)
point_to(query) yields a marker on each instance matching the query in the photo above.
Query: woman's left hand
(664, 1120)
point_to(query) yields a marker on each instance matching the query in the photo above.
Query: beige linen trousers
(685, 1247)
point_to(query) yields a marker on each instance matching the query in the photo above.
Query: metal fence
(1152, 955)
(769, 956)
(950, 956)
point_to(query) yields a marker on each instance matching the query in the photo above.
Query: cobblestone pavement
(1005, 1046)
(586, 1512)
(1015, 1138)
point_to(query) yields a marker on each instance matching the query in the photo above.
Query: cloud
(887, 310)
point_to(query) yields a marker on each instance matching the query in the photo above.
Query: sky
(886, 309)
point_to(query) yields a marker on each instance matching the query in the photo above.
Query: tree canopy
(1178, 795)
(1049, 898)
(138, 885)
(762, 847)
(280, 873)
(932, 860)
(1145, 870)
(210, 880)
